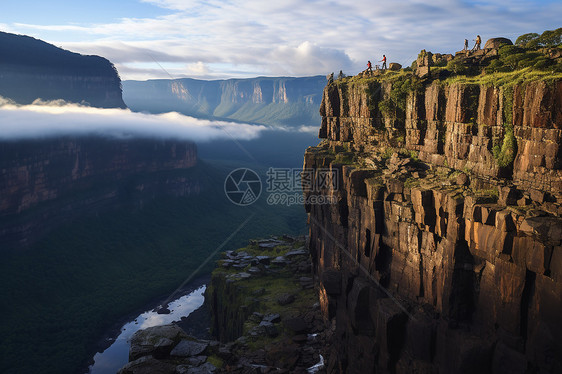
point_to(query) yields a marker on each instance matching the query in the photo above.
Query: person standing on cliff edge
(369, 67)
(465, 45)
(478, 41)
(383, 62)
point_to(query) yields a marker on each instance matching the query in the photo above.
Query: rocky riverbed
(265, 317)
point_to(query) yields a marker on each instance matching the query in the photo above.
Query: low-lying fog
(58, 118)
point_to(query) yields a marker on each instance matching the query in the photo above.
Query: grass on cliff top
(506, 78)
(386, 76)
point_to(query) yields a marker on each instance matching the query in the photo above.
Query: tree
(551, 38)
(526, 38)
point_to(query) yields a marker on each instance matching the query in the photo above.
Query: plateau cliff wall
(443, 252)
(272, 101)
(45, 182)
(31, 69)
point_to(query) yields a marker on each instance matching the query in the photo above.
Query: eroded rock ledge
(264, 311)
(440, 255)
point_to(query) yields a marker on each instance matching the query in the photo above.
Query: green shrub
(507, 50)
(543, 63)
(386, 107)
(506, 154)
(457, 66)
(344, 158)
(495, 66)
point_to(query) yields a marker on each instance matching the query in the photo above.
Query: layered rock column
(450, 262)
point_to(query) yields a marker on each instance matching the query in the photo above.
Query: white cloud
(253, 37)
(308, 58)
(59, 118)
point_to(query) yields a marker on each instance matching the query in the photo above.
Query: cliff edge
(443, 252)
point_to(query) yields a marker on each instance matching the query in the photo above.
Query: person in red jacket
(369, 66)
(383, 62)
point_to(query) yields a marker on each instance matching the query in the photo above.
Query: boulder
(188, 348)
(280, 261)
(254, 270)
(496, 43)
(296, 252)
(263, 260)
(286, 299)
(157, 340)
(424, 62)
(394, 66)
(269, 329)
(273, 318)
(268, 244)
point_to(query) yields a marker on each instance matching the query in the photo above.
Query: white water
(117, 355)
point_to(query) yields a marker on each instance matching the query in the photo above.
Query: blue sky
(230, 38)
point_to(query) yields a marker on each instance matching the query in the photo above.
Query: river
(117, 355)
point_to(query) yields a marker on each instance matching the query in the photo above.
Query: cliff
(31, 69)
(46, 182)
(271, 101)
(441, 250)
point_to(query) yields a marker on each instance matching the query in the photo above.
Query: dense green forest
(60, 295)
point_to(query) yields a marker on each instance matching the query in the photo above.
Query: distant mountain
(32, 69)
(281, 101)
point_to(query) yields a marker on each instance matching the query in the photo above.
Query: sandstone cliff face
(49, 181)
(441, 257)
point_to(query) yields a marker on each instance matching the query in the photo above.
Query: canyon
(434, 204)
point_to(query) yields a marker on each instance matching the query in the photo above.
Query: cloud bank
(49, 119)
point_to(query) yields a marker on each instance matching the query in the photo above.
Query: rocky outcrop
(46, 182)
(168, 349)
(264, 309)
(31, 69)
(441, 253)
